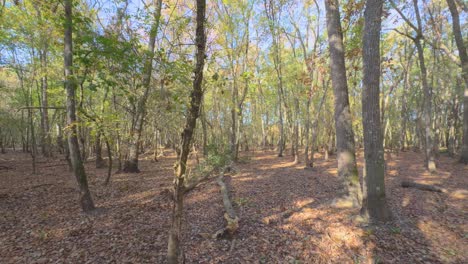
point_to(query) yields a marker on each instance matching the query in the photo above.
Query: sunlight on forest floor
(283, 209)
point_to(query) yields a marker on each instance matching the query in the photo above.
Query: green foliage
(218, 157)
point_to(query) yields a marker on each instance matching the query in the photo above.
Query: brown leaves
(284, 216)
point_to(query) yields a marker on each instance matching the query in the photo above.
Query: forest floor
(41, 222)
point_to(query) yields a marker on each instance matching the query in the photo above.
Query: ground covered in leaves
(284, 212)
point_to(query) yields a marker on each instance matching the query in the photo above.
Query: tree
(346, 156)
(374, 203)
(427, 90)
(464, 66)
(173, 248)
(273, 16)
(86, 200)
(131, 164)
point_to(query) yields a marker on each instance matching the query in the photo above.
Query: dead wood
(232, 220)
(424, 187)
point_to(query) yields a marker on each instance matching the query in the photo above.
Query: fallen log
(424, 187)
(232, 220)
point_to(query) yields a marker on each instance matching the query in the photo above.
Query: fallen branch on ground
(191, 183)
(232, 220)
(424, 187)
(54, 165)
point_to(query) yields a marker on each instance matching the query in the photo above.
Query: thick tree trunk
(464, 65)
(131, 164)
(347, 169)
(86, 201)
(374, 204)
(173, 248)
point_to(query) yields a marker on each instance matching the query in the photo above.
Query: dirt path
(40, 221)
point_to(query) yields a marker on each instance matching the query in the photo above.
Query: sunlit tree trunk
(347, 169)
(173, 249)
(86, 201)
(464, 65)
(374, 203)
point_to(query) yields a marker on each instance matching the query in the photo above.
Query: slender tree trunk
(86, 201)
(315, 126)
(173, 249)
(45, 135)
(234, 117)
(205, 131)
(33, 139)
(109, 156)
(464, 65)
(427, 112)
(404, 104)
(281, 128)
(347, 169)
(374, 204)
(131, 164)
(98, 150)
(296, 131)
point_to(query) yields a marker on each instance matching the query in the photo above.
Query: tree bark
(427, 112)
(464, 65)
(86, 201)
(273, 26)
(347, 169)
(45, 135)
(173, 248)
(232, 220)
(374, 204)
(109, 155)
(131, 164)
(98, 150)
(427, 90)
(423, 187)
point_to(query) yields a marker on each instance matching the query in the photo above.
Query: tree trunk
(173, 249)
(307, 132)
(464, 65)
(109, 155)
(347, 169)
(70, 85)
(45, 135)
(205, 132)
(98, 150)
(374, 204)
(427, 112)
(296, 132)
(131, 164)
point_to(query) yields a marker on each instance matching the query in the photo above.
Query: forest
(233, 131)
